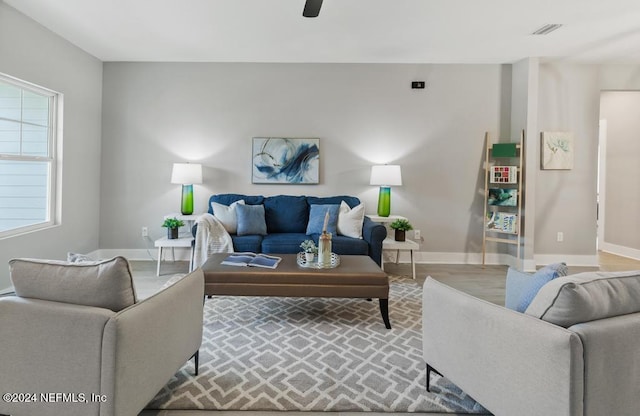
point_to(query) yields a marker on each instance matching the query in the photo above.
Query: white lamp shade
(386, 175)
(186, 173)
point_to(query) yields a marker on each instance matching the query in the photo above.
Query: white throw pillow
(350, 220)
(227, 215)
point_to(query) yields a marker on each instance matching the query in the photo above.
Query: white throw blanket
(211, 237)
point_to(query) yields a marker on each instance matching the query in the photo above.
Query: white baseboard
(434, 257)
(140, 254)
(631, 253)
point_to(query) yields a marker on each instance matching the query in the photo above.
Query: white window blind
(28, 117)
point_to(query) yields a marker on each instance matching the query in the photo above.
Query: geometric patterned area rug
(313, 354)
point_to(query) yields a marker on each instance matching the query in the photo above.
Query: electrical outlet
(416, 234)
(560, 237)
(145, 232)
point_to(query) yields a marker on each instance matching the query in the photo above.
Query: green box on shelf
(504, 150)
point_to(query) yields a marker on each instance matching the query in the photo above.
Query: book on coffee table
(252, 260)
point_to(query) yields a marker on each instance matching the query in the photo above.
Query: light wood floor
(484, 282)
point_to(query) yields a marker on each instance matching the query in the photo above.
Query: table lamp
(186, 174)
(385, 176)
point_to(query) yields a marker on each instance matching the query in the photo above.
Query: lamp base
(187, 200)
(384, 201)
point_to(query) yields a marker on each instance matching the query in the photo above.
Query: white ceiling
(385, 31)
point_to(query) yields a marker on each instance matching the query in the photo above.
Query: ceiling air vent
(546, 29)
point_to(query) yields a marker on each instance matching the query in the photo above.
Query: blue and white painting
(285, 161)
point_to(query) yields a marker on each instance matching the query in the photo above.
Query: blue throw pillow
(251, 220)
(316, 219)
(286, 214)
(521, 287)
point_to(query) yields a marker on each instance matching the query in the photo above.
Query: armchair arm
(145, 344)
(48, 347)
(612, 380)
(513, 364)
(374, 233)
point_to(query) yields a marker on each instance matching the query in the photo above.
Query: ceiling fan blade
(312, 8)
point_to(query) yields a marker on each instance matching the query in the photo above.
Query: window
(28, 116)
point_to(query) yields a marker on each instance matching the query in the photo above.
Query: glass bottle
(324, 249)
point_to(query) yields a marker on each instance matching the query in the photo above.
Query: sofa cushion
(251, 219)
(228, 199)
(227, 215)
(352, 201)
(522, 287)
(317, 214)
(350, 220)
(588, 296)
(251, 243)
(284, 243)
(103, 284)
(286, 214)
(349, 246)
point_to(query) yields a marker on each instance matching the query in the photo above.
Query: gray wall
(524, 116)
(621, 110)
(155, 114)
(32, 53)
(566, 200)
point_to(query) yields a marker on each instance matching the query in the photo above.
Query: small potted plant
(401, 226)
(310, 249)
(172, 225)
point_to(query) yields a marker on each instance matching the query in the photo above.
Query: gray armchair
(574, 352)
(106, 353)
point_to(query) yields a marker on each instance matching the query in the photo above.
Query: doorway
(618, 182)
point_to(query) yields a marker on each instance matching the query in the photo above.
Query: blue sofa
(286, 217)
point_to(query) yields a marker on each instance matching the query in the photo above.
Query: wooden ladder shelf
(502, 219)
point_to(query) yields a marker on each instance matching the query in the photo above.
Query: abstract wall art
(278, 160)
(556, 150)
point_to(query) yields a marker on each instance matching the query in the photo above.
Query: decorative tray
(302, 262)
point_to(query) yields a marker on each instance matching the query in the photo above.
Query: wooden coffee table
(355, 277)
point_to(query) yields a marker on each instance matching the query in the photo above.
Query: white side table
(185, 239)
(185, 242)
(390, 243)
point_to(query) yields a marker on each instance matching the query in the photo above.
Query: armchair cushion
(588, 296)
(104, 284)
